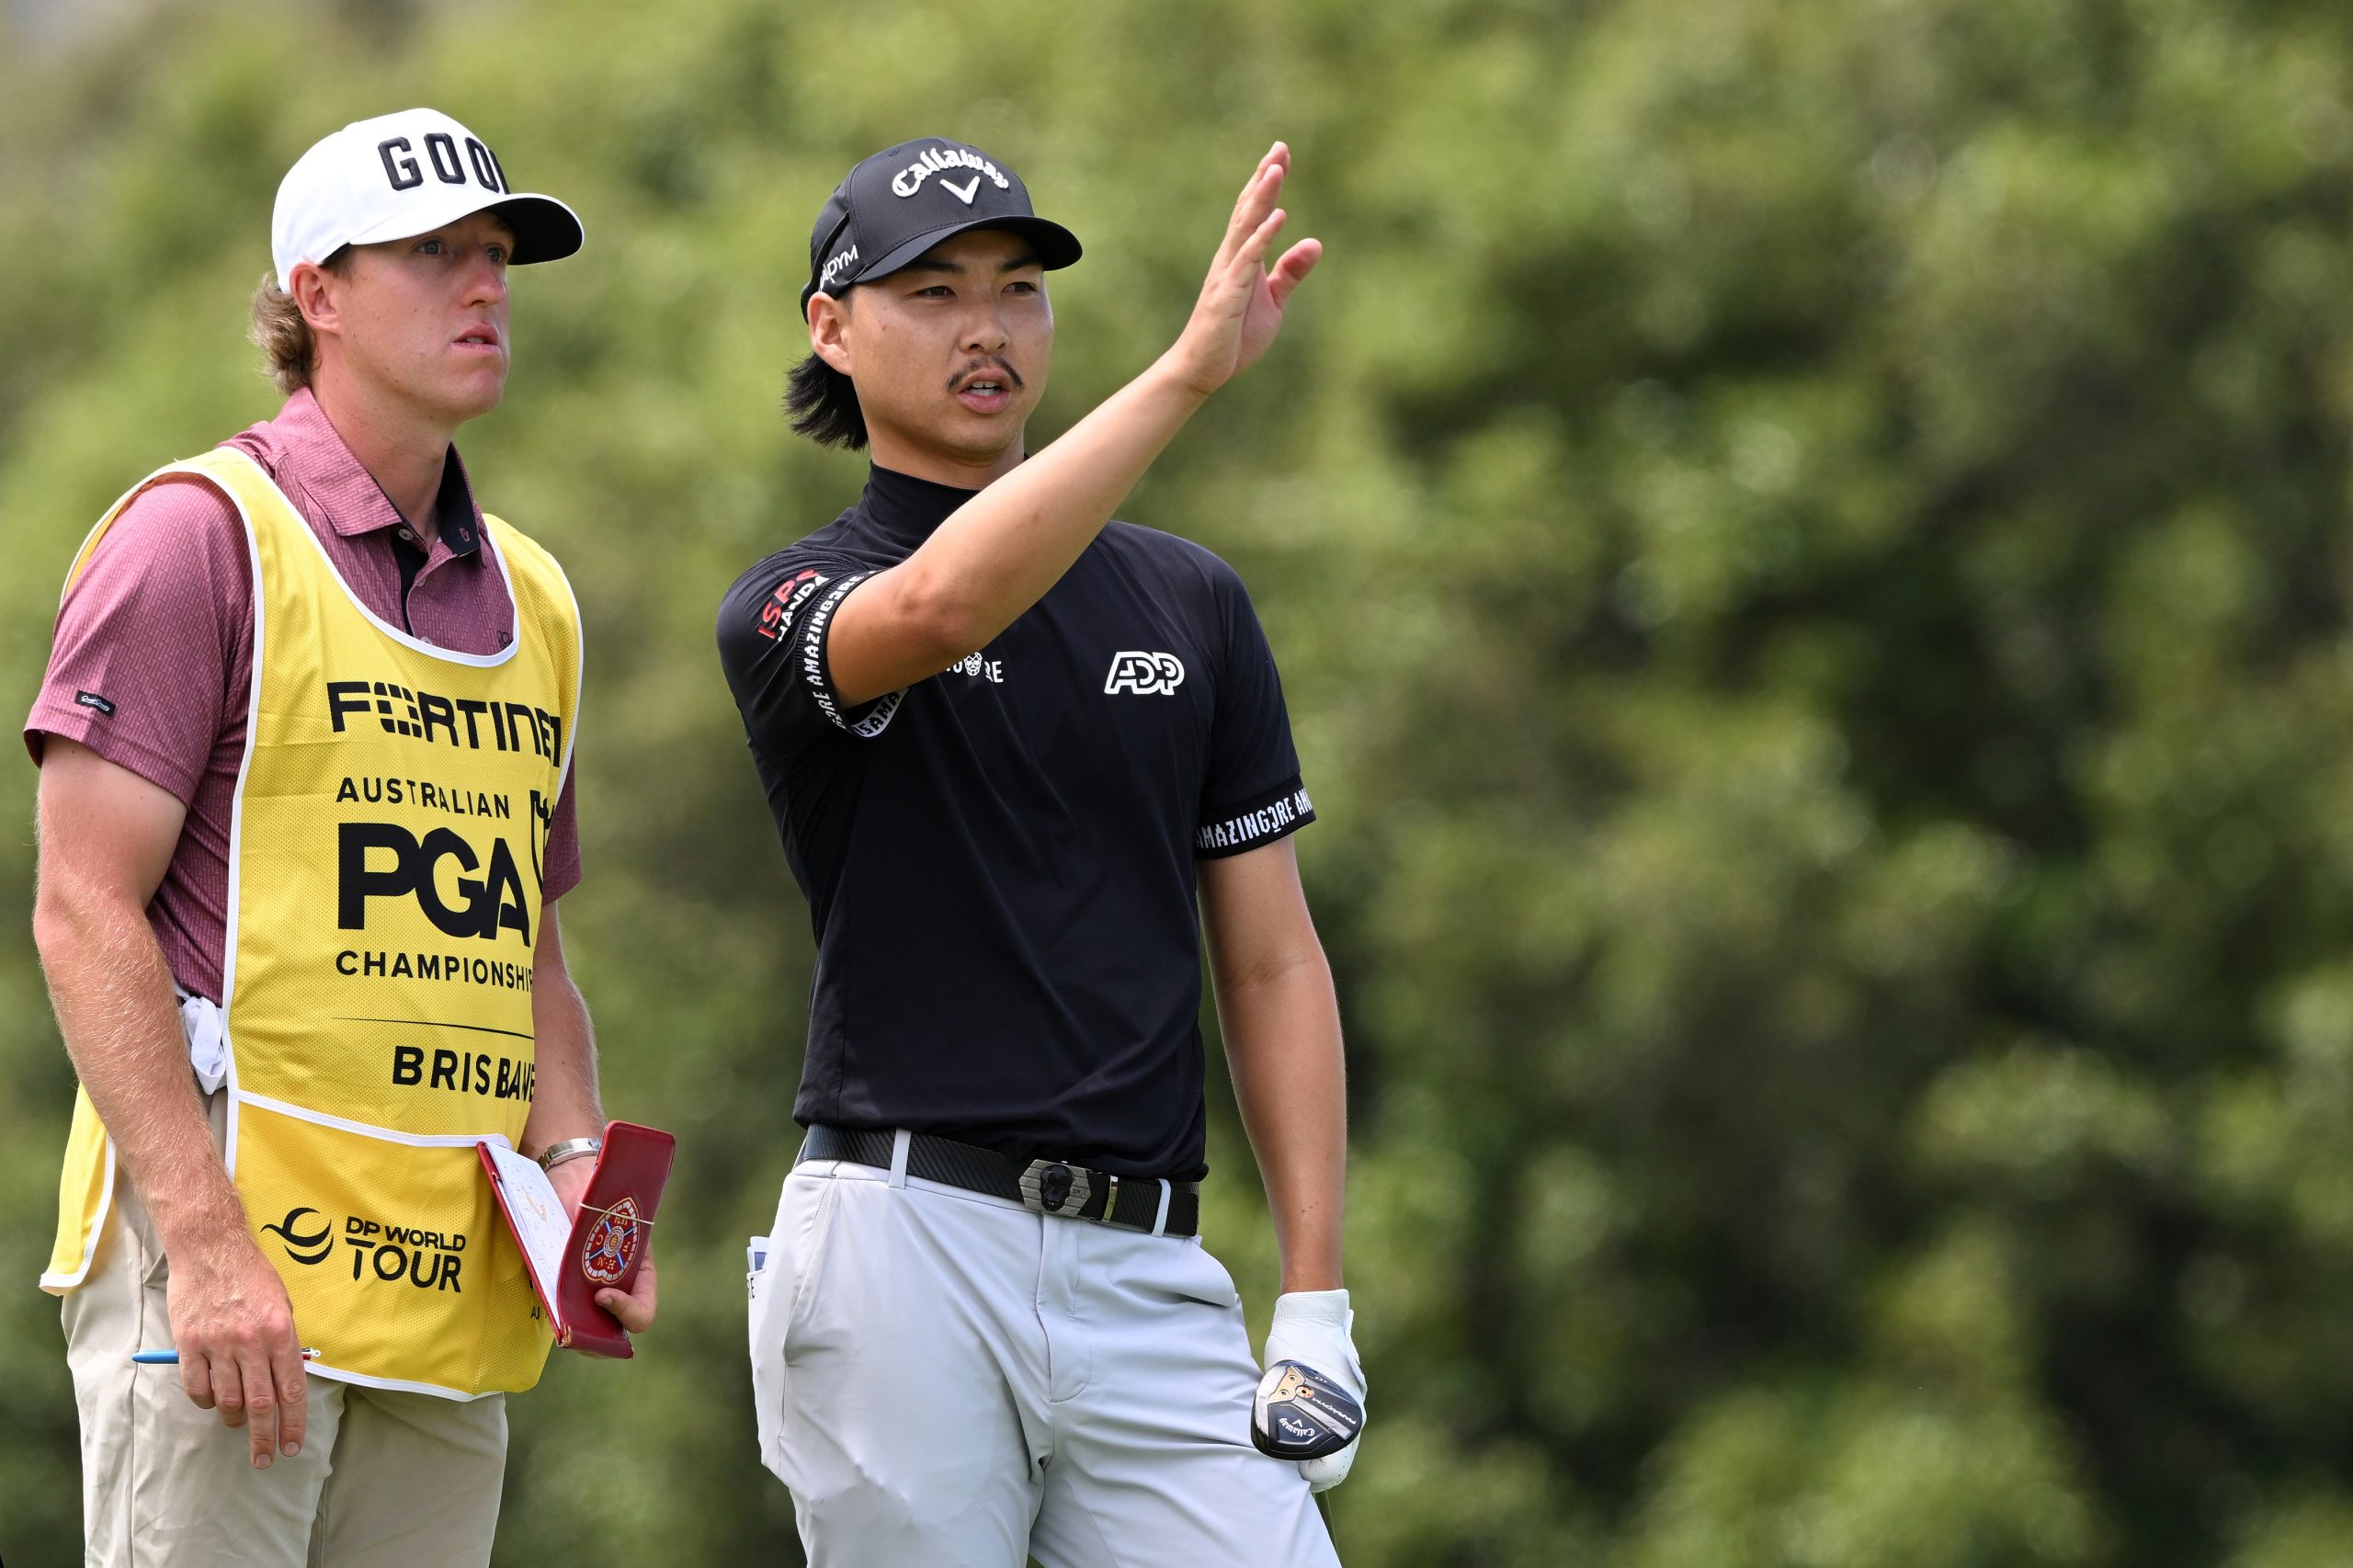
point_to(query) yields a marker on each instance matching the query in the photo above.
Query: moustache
(1012, 376)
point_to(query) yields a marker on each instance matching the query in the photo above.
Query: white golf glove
(1313, 1326)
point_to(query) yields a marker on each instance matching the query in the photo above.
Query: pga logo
(1146, 675)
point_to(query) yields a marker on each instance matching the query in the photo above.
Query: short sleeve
(1252, 793)
(563, 872)
(140, 667)
(773, 631)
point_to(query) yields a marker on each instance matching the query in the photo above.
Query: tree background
(1807, 543)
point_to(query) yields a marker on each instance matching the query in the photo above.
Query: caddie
(305, 744)
(1011, 747)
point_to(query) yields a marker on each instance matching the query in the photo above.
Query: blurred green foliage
(1807, 543)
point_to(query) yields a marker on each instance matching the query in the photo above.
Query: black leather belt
(1046, 1187)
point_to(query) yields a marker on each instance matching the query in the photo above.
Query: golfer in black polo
(1008, 743)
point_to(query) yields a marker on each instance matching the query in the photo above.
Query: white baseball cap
(399, 174)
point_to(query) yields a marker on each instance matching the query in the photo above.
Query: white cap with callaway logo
(399, 174)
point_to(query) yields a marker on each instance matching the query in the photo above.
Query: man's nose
(984, 331)
(485, 278)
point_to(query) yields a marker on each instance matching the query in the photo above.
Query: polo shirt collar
(312, 455)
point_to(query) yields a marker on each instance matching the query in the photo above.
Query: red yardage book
(602, 1245)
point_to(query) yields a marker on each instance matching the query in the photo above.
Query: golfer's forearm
(564, 1101)
(1282, 1043)
(112, 993)
(998, 554)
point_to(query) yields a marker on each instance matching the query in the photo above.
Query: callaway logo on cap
(400, 175)
(905, 199)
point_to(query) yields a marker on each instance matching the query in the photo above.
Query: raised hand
(1243, 299)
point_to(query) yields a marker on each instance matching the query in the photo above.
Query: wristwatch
(556, 1154)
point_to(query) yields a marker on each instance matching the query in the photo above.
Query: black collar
(453, 508)
(905, 509)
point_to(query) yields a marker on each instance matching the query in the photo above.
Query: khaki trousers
(385, 1477)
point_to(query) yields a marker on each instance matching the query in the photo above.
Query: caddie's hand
(1313, 1326)
(1242, 301)
(634, 1308)
(233, 1327)
(570, 1178)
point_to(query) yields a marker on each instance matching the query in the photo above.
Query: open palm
(1243, 299)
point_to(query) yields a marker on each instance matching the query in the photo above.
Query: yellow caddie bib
(385, 864)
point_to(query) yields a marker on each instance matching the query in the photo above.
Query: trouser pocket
(775, 1275)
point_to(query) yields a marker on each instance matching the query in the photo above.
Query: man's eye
(429, 247)
(498, 254)
(1023, 288)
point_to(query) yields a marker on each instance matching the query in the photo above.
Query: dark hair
(823, 405)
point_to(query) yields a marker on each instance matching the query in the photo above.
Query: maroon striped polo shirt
(154, 647)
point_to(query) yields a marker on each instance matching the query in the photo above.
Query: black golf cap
(905, 199)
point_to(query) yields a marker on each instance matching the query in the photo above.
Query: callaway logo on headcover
(938, 161)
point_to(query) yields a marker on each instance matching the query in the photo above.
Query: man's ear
(829, 331)
(317, 294)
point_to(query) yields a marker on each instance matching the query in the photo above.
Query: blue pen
(171, 1358)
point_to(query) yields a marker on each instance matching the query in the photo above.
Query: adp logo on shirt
(1146, 675)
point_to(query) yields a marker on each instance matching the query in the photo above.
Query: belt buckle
(1056, 1187)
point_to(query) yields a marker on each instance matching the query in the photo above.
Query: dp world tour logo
(611, 1246)
(302, 1244)
(1146, 675)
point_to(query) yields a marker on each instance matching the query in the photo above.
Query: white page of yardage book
(541, 1223)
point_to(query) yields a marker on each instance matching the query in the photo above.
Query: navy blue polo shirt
(999, 860)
